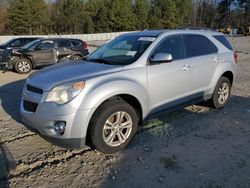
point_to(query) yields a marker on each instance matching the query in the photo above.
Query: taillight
(235, 57)
(85, 45)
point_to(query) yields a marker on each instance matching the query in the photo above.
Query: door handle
(186, 67)
(216, 59)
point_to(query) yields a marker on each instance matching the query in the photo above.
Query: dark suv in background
(16, 43)
(44, 52)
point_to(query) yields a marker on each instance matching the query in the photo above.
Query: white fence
(84, 37)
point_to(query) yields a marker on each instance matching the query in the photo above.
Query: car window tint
(23, 42)
(75, 43)
(63, 43)
(16, 42)
(47, 45)
(198, 45)
(26, 41)
(124, 45)
(222, 39)
(173, 45)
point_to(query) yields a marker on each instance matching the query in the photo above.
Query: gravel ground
(193, 147)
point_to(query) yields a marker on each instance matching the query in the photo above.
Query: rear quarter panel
(226, 63)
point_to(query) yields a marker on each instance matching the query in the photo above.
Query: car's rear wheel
(221, 93)
(23, 66)
(112, 126)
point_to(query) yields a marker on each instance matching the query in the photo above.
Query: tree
(206, 14)
(183, 9)
(245, 4)
(224, 10)
(67, 16)
(141, 10)
(3, 13)
(97, 16)
(121, 16)
(163, 14)
(27, 17)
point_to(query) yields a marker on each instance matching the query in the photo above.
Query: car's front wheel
(112, 126)
(221, 93)
(76, 57)
(23, 66)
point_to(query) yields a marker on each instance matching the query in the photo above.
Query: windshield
(8, 43)
(30, 44)
(123, 50)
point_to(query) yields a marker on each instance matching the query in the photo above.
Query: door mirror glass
(161, 58)
(38, 47)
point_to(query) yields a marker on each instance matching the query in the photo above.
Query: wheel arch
(128, 98)
(30, 59)
(131, 100)
(229, 75)
(226, 69)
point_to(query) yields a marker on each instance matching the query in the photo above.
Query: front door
(43, 53)
(169, 83)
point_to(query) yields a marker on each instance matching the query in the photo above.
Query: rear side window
(64, 43)
(198, 45)
(75, 43)
(222, 39)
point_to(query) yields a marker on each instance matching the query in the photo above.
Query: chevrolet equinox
(101, 100)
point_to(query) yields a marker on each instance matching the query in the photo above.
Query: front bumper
(4, 66)
(70, 143)
(42, 122)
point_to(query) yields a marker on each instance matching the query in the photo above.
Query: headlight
(64, 93)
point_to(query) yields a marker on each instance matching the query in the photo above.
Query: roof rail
(195, 28)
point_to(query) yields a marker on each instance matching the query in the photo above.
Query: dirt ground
(193, 147)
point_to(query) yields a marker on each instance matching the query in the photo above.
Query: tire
(105, 123)
(75, 57)
(23, 66)
(221, 93)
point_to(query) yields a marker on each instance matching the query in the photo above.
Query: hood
(5, 54)
(2, 48)
(61, 73)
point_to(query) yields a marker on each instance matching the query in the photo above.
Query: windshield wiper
(103, 61)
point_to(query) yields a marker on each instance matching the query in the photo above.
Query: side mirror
(38, 47)
(161, 58)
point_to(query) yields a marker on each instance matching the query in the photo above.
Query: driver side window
(173, 45)
(15, 43)
(45, 45)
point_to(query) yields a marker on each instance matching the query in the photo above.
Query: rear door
(63, 48)
(44, 53)
(203, 59)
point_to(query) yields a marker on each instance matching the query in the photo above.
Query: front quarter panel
(132, 82)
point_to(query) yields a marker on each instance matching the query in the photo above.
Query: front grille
(34, 89)
(29, 106)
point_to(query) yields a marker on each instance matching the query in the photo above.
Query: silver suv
(101, 101)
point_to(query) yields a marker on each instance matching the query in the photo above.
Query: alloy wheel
(24, 66)
(223, 93)
(117, 129)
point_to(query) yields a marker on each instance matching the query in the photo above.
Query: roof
(147, 33)
(156, 33)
